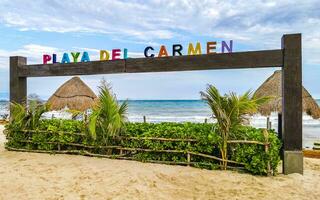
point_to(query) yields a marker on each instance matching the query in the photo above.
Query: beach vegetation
(108, 116)
(230, 111)
(228, 143)
(27, 117)
(157, 142)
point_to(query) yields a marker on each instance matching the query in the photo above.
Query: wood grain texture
(292, 93)
(254, 59)
(71, 69)
(18, 85)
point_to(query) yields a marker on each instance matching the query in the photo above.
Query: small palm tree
(108, 117)
(22, 117)
(230, 111)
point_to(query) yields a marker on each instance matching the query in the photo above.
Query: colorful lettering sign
(149, 52)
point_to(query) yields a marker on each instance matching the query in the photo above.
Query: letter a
(163, 51)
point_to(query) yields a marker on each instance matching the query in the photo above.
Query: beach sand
(43, 176)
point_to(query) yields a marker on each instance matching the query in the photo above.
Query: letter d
(104, 55)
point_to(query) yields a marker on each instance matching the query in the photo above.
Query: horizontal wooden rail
(147, 138)
(246, 142)
(159, 139)
(121, 157)
(250, 59)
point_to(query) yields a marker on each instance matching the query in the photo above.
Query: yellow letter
(104, 55)
(192, 51)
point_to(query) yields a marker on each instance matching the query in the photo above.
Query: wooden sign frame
(289, 58)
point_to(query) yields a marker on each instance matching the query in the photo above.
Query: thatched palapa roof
(73, 94)
(272, 87)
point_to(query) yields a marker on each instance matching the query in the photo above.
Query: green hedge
(252, 155)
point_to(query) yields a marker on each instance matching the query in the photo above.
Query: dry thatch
(272, 87)
(73, 94)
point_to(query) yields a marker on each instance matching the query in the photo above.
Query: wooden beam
(71, 69)
(254, 59)
(18, 85)
(292, 104)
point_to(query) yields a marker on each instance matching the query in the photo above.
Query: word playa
(149, 51)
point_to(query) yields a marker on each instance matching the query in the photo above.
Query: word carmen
(178, 48)
(149, 51)
(104, 55)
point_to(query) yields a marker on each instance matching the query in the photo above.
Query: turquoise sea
(194, 111)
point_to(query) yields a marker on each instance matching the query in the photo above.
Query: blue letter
(125, 53)
(229, 48)
(146, 52)
(65, 58)
(54, 58)
(85, 57)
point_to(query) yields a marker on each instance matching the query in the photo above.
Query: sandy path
(42, 176)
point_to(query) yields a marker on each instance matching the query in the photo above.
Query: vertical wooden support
(266, 149)
(292, 104)
(144, 119)
(280, 133)
(18, 85)
(268, 121)
(188, 155)
(270, 125)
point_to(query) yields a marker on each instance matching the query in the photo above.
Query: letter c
(146, 52)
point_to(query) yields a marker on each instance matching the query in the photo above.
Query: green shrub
(252, 155)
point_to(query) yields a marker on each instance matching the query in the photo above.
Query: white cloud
(256, 23)
(34, 53)
(252, 24)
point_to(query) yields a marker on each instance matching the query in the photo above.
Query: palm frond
(108, 117)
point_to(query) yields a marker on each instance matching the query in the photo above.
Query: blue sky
(32, 28)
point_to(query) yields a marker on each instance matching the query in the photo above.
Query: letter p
(46, 58)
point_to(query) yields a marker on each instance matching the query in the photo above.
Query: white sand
(43, 176)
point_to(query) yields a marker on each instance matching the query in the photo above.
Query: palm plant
(108, 117)
(23, 117)
(230, 111)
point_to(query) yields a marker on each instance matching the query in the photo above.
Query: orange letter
(163, 51)
(211, 46)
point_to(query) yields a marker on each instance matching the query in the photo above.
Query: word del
(104, 55)
(149, 52)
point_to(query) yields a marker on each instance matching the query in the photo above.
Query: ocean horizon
(157, 111)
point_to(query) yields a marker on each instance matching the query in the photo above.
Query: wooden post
(270, 125)
(292, 104)
(280, 133)
(266, 149)
(188, 154)
(268, 121)
(144, 119)
(18, 85)
(205, 120)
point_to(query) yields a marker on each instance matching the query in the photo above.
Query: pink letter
(46, 58)
(116, 54)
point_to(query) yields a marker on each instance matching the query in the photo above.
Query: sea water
(190, 111)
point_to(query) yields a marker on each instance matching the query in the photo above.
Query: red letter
(46, 58)
(116, 54)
